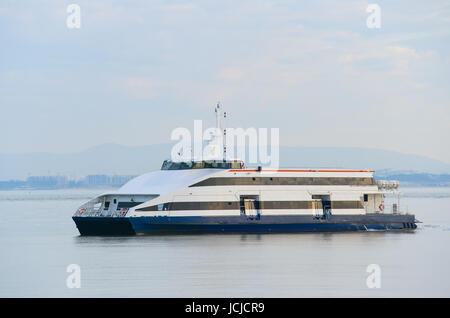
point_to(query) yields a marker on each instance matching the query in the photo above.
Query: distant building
(58, 182)
(12, 184)
(118, 181)
(94, 180)
(47, 181)
(98, 180)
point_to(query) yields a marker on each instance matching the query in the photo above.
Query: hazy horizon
(110, 159)
(170, 142)
(96, 96)
(133, 72)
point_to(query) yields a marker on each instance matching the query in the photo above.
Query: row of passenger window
(121, 205)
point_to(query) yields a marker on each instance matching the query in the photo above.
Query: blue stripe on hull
(267, 224)
(248, 228)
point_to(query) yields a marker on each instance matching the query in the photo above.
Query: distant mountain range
(125, 160)
(415, 179)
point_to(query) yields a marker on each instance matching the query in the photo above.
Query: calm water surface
(38, 240)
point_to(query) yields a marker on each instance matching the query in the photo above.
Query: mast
(218, 111)
(215, 143)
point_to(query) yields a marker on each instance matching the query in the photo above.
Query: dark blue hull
(103, 226)
(266, 224)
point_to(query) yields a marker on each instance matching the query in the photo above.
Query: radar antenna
(218, 111)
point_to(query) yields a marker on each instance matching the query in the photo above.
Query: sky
(136, 70)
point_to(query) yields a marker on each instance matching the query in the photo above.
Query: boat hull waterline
(212, 193)
(239, 224)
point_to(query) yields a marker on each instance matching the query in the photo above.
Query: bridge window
(127, 205)
(207, 164)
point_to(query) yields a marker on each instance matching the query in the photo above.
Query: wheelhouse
(204, 164)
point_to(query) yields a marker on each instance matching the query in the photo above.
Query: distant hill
(104, 159)
(124, 160)
(360, 158)
(415, 179)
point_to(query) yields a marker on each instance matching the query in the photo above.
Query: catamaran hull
(103, 226)
(266, 224)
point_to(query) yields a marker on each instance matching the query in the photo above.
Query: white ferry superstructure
(210, 196)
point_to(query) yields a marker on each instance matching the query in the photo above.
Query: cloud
(141, 87)
(231, 74)
(312, 68)
(179, 7)
(393, 59)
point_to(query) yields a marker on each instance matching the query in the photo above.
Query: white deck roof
(163, 181)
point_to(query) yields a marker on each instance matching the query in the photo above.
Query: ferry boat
(210, 196)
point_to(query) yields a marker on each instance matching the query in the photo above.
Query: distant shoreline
(62, 188)
(98, 181)
(409, 185)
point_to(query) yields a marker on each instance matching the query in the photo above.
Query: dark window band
(264, 205)
(236, 181)
(127, 205)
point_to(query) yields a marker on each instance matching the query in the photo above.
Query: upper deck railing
(387, 184)
(96, 207)
(204, 164)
